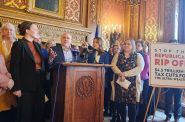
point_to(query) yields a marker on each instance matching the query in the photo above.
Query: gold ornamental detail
(19, 4)
(85, 86)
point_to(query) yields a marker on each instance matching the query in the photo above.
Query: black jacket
(22, 67)
(60, 57)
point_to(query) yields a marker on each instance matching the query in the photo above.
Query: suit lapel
(28, 49)
(61, 52)
(101, 58)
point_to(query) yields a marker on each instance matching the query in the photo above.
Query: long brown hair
(100, 42)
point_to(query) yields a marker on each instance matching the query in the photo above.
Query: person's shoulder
(103, 52)
(138, 54)
(18, 43)
(56, 46)
(146, 54)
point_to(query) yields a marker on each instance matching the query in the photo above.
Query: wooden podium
(78, 93)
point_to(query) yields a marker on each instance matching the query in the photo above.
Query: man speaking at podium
(57, 55)
(62, 52)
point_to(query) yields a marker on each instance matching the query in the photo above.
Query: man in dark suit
(62, 52)
(57, 55)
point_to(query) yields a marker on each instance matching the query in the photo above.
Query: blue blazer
(104, 58)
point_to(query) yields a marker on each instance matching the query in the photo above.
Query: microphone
(90, 47)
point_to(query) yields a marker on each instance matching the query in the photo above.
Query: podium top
(85, 64)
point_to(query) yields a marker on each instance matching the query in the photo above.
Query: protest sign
(167, 65)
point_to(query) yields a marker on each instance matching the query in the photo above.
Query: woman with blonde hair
(127, 66)
(8, 37)
(7, 100)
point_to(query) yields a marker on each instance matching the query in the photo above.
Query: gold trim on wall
(19, 4)
(93, 11)
(43, 20)
(31, 7)
(49, 32)
(51, 27)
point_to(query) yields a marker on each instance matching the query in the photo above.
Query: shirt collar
(65, 49)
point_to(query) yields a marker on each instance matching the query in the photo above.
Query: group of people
(23, 74)
(26, 68)
(130, 85)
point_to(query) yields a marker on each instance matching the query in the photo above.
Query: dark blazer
(60, 56)
(22, 66)
(110, 73)
(104, 58)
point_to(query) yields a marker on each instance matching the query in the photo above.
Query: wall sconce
(112, 28)
(111, 34)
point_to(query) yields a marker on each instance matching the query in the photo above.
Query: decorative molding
(93, 11)
(152, 21)
(19, 4)
(85, 86)
(77, 23)
(52, 32)
(54, 9)
(169, 20)
(72, 10)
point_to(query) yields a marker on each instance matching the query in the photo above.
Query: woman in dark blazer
(28, 70)
(99, 56)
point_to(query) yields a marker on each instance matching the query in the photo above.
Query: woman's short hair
(141, 42)
(10, 25)
(23, 27)
(133, 44)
